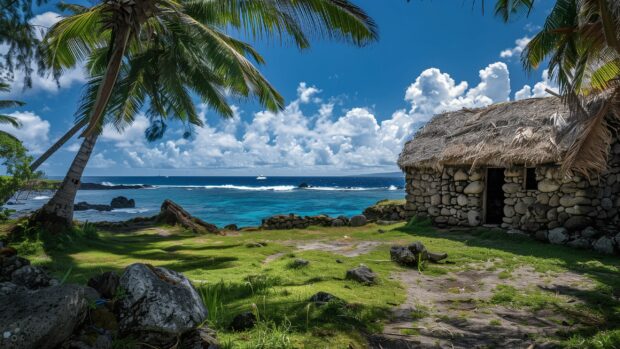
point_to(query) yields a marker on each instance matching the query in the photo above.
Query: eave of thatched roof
(503, 135)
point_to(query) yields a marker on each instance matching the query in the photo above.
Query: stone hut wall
(453, 196)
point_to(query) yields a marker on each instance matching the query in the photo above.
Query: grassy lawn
(234, 277)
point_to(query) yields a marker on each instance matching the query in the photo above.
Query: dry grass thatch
(525, 132)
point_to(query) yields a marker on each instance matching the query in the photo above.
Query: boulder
(173, 214)
(604, 245)
(106, 284)
(362, 274)
(548, 186)
(460, 175)
(122, 202)
(474, 188)
(577, 223)
(158, 305)
(85, 206)
(558, 236)
(243, 321)
(45, 318)
(9, 264)
(321, 298)
(358, 221)
(580, 243)
(473, 218)
(299, 263)
(7, 288)
(337, 223)
(200, 338)
(402, 255)
(231, 227)
(589, 233)
(32, 277)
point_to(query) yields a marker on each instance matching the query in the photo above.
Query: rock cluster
(117, 202)
(414, 254)
(386, 212)
(156, 306)
(362, 274)
(293, 221)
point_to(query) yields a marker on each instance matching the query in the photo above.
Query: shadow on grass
(603, 299)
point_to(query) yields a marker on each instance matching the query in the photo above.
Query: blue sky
(349, 109)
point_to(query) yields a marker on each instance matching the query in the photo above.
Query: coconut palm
(7, 119)
(164, 51)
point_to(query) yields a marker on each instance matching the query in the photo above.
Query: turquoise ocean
(240, 200)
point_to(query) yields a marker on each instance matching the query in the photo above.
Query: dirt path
(343, 247)
(449, 311)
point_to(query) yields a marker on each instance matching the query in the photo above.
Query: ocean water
(240, 200)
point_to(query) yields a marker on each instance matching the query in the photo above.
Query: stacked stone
(391, 212)
(452, 197)
(293, 221)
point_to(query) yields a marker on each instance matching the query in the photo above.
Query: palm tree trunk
(57, 215)
(59, 143)
(60, 208)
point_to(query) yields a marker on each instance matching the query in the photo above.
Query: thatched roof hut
(529, 132)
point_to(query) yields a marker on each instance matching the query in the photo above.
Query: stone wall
(453, 196)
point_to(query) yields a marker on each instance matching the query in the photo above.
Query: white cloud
(295, 139)
(46, 83)
(520, 45)
(100, 161)
(34, 132)
(435, 92)
(539, 90)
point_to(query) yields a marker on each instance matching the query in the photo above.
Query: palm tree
(163, 51)
(7, 119)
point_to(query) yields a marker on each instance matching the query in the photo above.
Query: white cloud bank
(335, 140)
(520, 45)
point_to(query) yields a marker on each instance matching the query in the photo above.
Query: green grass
(233, 278)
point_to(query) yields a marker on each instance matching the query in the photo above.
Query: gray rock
(9, 264)
(362, 274)
(7, 288)
(122, 202)
(473, 218)
(43, 319)
(474, 188)
(511, 188)
(243, 321)
(548, 185)
(337, 223)
(460, 175)
(200, 338)
(542, 235)
(106, 284)
(32, 277)
(558, 236)
(358, 221)
(461, 200)
(321, 298)
(604, 245)
(299, 263)
(159, 305)
(589, 233)
(579, 243)
(402, 255)
(577, 223)
(231, 227)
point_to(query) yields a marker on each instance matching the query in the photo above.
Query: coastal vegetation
(571, 294)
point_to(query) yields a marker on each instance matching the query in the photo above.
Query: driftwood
(173, 214)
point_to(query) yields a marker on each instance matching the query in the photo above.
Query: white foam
(243, 187)
(41, 197)
(131, 210)
(108, 184)
(340, 188)
(392, 187)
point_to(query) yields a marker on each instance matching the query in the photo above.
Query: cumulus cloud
(34, 132)
(539, 89)
(42, 23)
(100, 161)
(323, 137)
(520, 45)
(435, 92)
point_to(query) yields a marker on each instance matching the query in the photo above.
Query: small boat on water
(261, 178)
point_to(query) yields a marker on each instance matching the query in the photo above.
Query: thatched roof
(503, 135)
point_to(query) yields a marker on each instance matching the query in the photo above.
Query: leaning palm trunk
(59, 210)
(59, 143)
(57, 214)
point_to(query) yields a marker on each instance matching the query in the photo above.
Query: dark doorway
(495, 195)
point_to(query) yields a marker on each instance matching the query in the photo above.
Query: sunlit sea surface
(240, 200)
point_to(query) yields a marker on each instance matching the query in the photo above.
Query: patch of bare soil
(273, 257)
(346, 248)
(447, 312)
